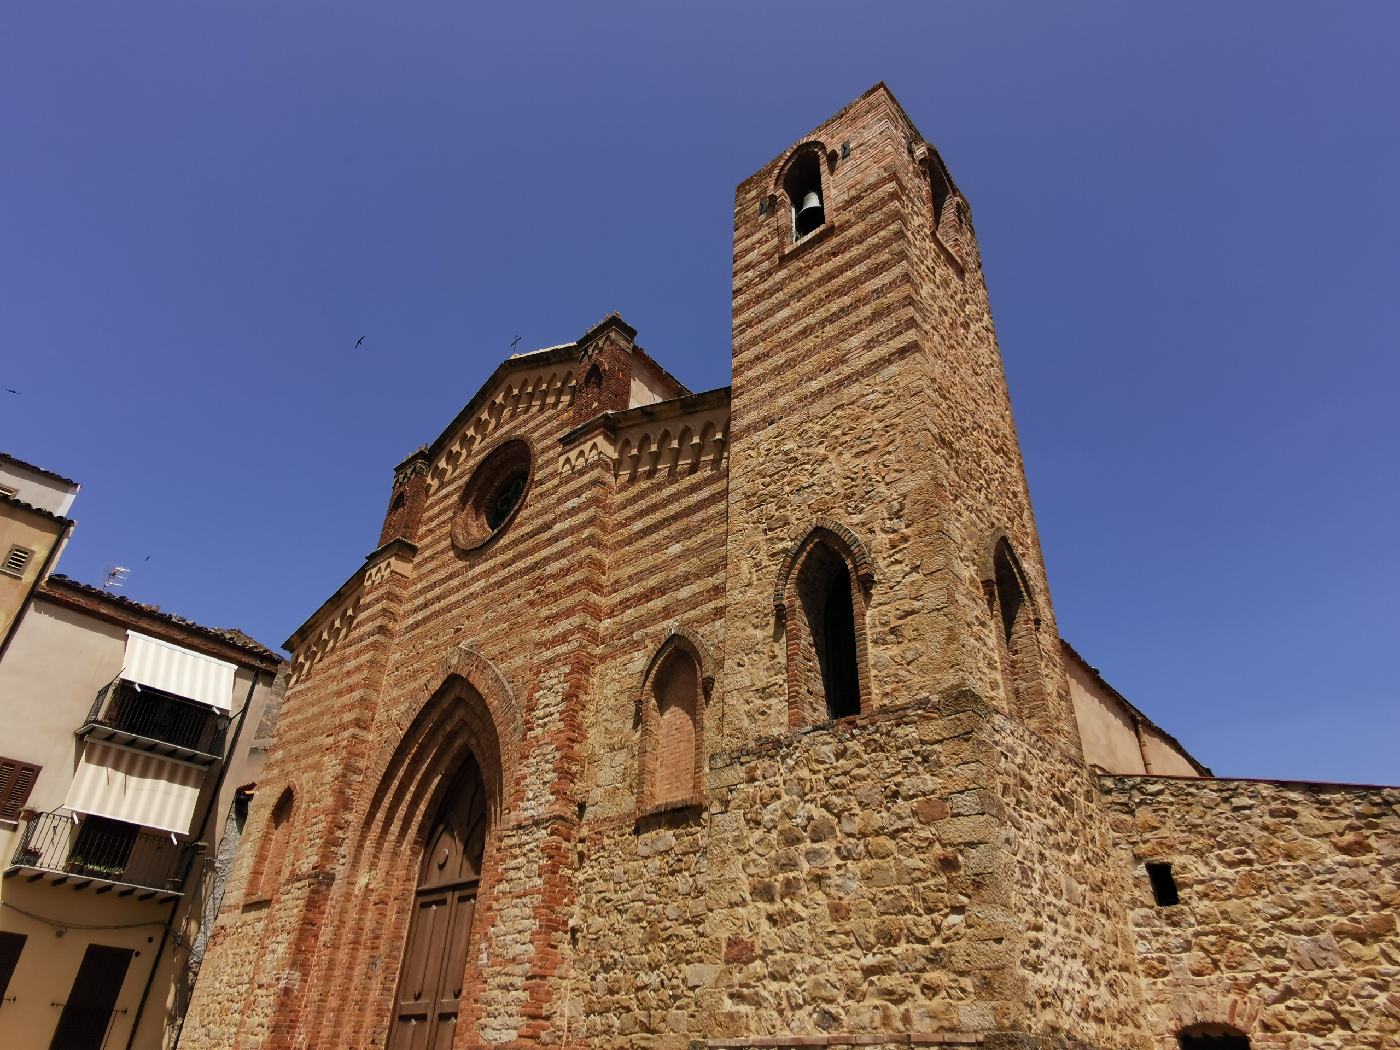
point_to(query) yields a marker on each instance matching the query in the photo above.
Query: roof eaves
(59, 586)
(15, 501)
(681, 388)
(5, 457)
(341, 593)
(552, 355)
(1201, 768)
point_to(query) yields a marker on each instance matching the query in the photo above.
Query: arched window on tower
(947, 209)
(1018, 645)
(803, 187)
(827, 663)
(272, 851)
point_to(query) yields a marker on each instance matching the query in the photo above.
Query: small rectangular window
(16, 782)
(8, 490)
(16, 560)
(1163, 885)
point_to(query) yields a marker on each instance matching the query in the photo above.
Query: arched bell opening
(802, 184)
(821, 598)
(433, 973)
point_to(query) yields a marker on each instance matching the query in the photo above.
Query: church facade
(741, 718)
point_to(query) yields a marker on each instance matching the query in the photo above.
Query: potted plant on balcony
(102, 848)
(28, 853)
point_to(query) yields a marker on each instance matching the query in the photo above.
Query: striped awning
(150, 661)
(135, 787)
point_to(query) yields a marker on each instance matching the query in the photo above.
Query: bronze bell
(810, 215)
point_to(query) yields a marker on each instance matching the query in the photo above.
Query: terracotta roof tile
(5, 457)
(230, 635)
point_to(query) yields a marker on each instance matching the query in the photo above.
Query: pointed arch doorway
(444, 904)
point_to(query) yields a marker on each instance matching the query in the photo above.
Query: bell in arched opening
(810, 215)
(803, 186)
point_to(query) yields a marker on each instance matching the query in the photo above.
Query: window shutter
(16, 782)
(11, 944)
(16, 560)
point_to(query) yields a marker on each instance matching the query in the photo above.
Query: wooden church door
(439, 933)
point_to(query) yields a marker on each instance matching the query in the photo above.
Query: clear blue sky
(1188, 215)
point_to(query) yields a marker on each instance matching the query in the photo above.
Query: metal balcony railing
(95, 848)
(139, 714)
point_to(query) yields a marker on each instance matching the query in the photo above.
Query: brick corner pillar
(406, 499)
(604, 382)
(535, 902)
(342, 694)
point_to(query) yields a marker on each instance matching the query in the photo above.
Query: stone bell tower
(869, 404)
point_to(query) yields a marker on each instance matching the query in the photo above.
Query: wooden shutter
(11, 944)
(88, 1012)
(16, 782)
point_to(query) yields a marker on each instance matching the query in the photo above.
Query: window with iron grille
(7, 490)
(16, 560)
(16, 782)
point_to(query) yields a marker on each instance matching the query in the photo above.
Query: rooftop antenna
(116, 577)
(513, 342)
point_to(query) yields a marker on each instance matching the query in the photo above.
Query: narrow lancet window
(829, 664)
(1019, 648)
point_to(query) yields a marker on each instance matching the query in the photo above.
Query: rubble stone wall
(1286, 926)
(835, 884)
(1078, 971)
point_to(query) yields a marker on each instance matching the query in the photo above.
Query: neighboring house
(34, 504)
(125, 734)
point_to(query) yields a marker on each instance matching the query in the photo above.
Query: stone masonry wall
(1286, 926)
(1077, 972)
(983, 478)
(830, 887)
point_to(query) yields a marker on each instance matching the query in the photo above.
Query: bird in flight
(11, 390)
(359, 341)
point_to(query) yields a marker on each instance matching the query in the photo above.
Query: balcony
(151, 720)
(107, 855)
